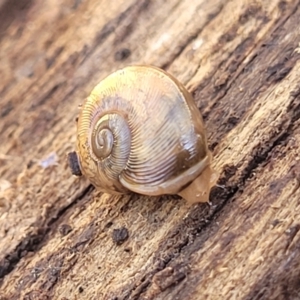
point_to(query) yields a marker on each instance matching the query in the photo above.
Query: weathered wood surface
(241, 61)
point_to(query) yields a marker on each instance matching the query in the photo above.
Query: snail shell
(140, 130)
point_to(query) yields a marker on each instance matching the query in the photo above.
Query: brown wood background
(59, 237)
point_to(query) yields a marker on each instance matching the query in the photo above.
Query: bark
(61, 239)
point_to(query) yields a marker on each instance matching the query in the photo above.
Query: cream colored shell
(140, 130)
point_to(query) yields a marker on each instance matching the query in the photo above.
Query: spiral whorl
(106, 136)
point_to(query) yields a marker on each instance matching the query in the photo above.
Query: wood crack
(33, 242)
(190, 38)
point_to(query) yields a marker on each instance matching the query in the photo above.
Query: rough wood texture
(60, 239)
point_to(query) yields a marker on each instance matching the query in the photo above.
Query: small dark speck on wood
(122, 54)
(120, 235)
(64, 229)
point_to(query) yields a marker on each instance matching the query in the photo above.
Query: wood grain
(241, 61)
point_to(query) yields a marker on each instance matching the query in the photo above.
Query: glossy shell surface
(140, 130)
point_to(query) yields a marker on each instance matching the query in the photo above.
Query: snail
(141, 131)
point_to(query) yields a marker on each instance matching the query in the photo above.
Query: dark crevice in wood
(51, 60)
(262, 153)
(42, 99)
(264, 76)
(180, 49)
(13, 11)
(282, 278)
(220, 78)
(236, 66)
(33, 242)
(61, 212)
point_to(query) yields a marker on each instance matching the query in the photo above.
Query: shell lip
(171, 186)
